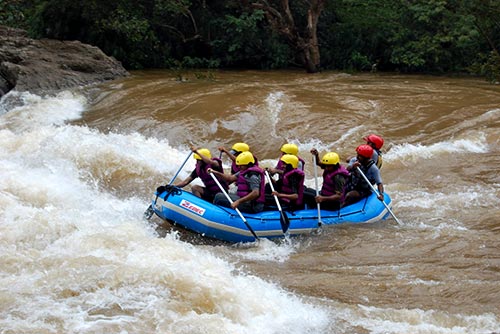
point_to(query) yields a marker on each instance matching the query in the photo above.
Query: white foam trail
(352, 132)
(489, 117)
(465, 197)
(266, 251)
(31, 110)
(416, 321)
(78, 259)
(267, 115)
(413, 152)
(259, 116)
(306, 146)
(274, 105)
(92, 155)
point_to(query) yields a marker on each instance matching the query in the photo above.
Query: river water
(79, 169)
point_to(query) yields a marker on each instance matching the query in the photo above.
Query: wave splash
(77, 256)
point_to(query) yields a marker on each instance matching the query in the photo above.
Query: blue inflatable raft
(190, 212)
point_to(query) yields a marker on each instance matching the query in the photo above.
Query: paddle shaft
(376, 192)
(317, 189)
(284, 219)
(178, 171)
(272, 189)
(237, 210)
(149, 211)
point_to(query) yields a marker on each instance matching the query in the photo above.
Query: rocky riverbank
(50, 65)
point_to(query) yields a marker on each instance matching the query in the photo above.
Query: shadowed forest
(411, 36)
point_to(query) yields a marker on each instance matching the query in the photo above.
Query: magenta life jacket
(243, 187)
(286, 188)
(206, 178)
(234, 168)
(328, 188)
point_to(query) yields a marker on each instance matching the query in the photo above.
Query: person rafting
(279, 169)
(204, 161)
(287, 149)
(335, 177)
(236, 149)
(357, 188)
(250, 181)
(376, 142)
(291, 192)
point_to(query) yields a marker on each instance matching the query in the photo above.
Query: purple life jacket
(286, 188)
(206, 178)
(243, 186)
(328, 188)
(234, 168)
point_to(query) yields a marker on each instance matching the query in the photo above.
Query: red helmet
(378, 141)
(365, 151)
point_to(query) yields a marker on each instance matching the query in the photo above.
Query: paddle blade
(148, 213)
(285, 222)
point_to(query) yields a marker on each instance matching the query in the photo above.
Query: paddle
(284, 221)
(149, 211)
(179, 170)
(237, 210)
(317, 189)
(376, 192)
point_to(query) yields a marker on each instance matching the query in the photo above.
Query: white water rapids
(76, 255)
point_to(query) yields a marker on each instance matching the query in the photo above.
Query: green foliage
(359, 62)
(354, 33)
(488, 66)
(120, 28)
(182, 68)
(243, 41)
(412, 36)
(424, 40)
(417, 35)
(11, 13)
(173, 7)
(131, 37)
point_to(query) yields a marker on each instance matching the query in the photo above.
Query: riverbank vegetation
(417, 36)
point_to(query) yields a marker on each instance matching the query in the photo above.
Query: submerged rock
(50, 65)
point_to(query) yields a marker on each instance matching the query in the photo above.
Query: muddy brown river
(79, 169)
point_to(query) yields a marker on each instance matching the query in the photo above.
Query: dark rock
(49, 65)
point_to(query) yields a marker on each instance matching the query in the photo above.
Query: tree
(354, 35)
(485, 17)
(11, 12)
(304, 40)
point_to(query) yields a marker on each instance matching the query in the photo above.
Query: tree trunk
(312, 51)
(304, 42)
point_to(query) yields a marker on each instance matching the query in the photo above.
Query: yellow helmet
(290, 149)
(240, 147)
(203, 151)
(331, 158)
(290, 159)
(244, 158)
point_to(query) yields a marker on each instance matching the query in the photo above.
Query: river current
(78, 170)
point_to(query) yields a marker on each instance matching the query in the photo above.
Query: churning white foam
(77, 258)
(385, 321)
(265, 250)
(30, 110)
(474, 143)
